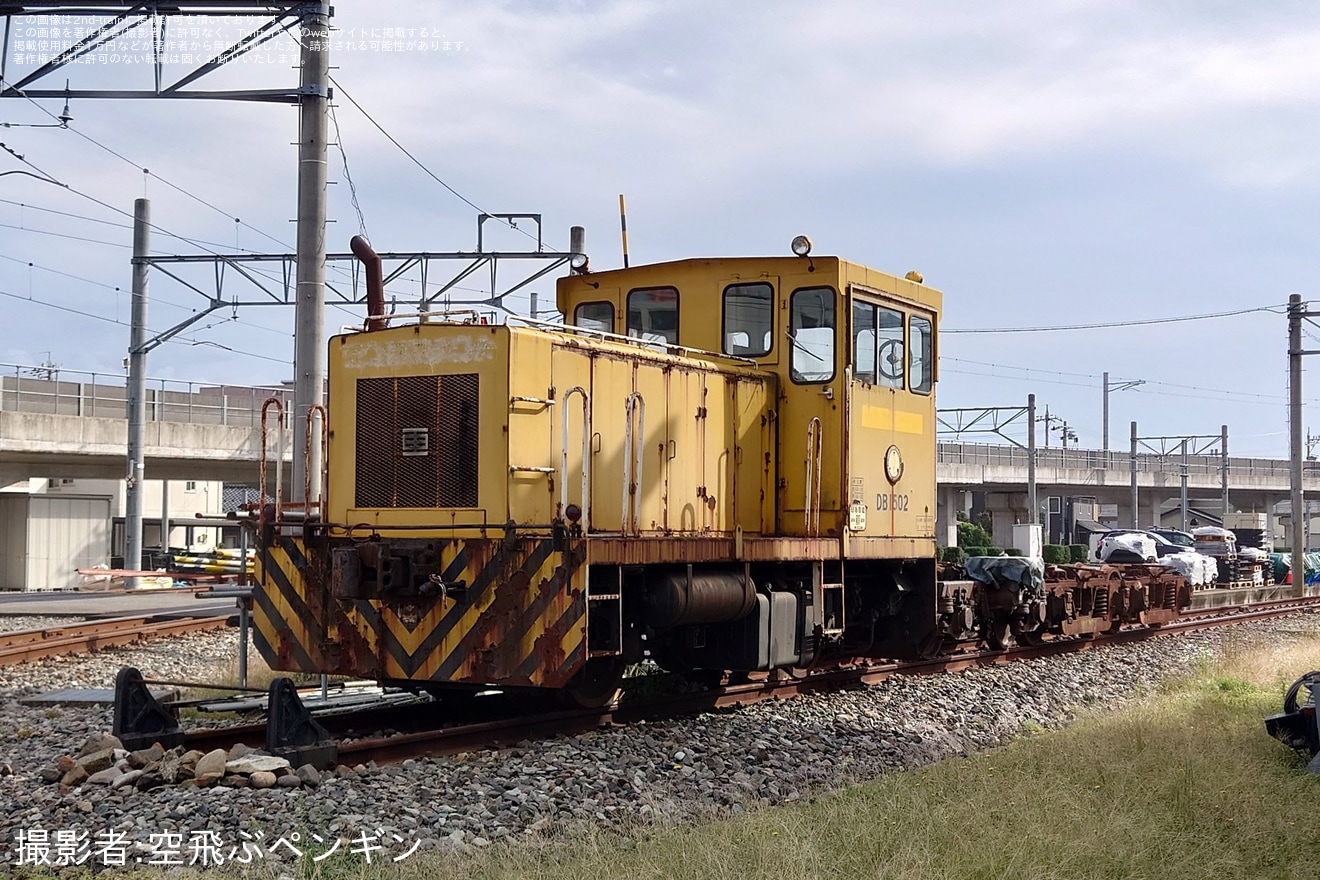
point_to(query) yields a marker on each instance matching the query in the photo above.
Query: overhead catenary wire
(464, 199)
(1105, 325)
(352, 187)
(1037, 374)
(146, 171)
(178, 340)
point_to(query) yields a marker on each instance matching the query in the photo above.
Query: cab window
(812, 334)
(594, 316)
(877, 345)
(653, 314)
(921, 355)
(747, 319)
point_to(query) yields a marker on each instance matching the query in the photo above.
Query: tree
(970, 534)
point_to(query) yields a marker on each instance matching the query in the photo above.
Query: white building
(49, 528)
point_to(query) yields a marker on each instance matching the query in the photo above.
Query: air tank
(682, 598)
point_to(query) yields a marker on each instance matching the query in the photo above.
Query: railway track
(20, 646)
(453, 734)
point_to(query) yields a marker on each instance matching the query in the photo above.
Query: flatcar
(721, 465)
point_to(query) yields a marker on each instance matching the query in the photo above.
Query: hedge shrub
(984, 551)
(1055, 554)
(1078, 552)
(955, 555)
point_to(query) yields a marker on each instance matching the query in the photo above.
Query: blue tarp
(1023, 571)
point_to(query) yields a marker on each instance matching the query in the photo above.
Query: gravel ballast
(671, 772)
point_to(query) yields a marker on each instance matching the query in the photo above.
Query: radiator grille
(417, 441)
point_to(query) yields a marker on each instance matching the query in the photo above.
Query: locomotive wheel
(931, 646)
(595, 684)
(1035, 637)
(999, 633)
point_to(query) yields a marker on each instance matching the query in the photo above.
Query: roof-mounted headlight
(578, 262)
(801, 245)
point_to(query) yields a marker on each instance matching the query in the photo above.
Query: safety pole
(623, 230)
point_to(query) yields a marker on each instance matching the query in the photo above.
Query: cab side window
(747, 319)
(594, 316)
(921, 355)
(812, 334)
(653, 314)
(877, 345)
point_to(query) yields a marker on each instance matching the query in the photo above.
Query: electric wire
(1105, 325)
(155, 300)
(419, 164)
(173, 339)
(1219, 392)
(146, 171)
(352, 187)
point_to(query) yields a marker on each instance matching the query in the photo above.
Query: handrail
(670, 348)
(811, 509)
(279, 459)
(586, 456)
(633, 445)
(316, 500)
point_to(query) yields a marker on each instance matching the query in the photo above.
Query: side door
(890, 419)
(810, 422)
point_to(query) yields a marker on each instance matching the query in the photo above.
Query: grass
(1184, 785)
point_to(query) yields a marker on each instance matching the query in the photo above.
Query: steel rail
(22, 646)
(493, 733)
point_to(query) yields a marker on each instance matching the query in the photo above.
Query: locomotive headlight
(573, 513)
(578, 262)
(801, 245)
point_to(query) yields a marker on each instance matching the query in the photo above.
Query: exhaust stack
(375, 282)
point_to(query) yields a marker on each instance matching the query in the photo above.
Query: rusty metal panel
(514, 614)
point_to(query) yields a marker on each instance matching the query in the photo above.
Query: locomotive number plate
(857, 516)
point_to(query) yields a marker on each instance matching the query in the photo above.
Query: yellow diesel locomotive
(717, 464)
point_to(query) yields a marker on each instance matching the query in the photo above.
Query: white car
(1127, 546)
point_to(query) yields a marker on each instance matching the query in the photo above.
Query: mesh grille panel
(375, 451)
(457, 440)
(417, 441)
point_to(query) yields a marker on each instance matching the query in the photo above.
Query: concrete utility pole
(1133, 463)
(137, 402)
(1296, 311)
(1031, 459)
(1223, 473)
(309, 312)
(1182, 497)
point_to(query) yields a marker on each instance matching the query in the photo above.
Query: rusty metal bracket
(292, 732)
(1298, 725)
(139, 720)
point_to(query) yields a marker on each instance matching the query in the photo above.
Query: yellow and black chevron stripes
(288, 635)
(520, 620)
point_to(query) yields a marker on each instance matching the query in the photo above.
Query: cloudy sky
(1044, 164)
